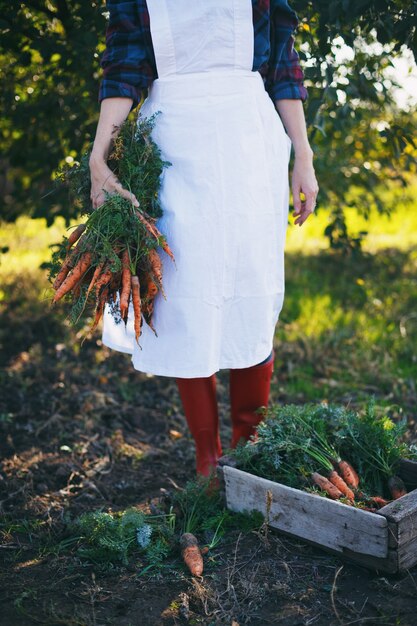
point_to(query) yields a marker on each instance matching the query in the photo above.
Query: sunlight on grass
(29, 242)
(399, 230)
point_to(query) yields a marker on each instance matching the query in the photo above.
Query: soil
(82, 430)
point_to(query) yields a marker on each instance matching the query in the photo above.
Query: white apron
(225, 197)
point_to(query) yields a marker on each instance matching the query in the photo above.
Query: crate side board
(407, 554)
(326, 522)
(389, 564)
(403, 513)
(408, 472)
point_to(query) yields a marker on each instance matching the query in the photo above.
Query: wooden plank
(407, 554)
(392, 535)
(403, 512)
(408, 472)
(329, 523)
(389, 564)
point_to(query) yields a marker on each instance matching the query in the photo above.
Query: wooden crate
(385, 541)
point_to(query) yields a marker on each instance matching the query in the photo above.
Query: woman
(214, 69)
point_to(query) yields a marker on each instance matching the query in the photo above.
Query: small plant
(114, 537)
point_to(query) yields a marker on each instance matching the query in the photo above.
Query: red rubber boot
(199, 400)
(249, 389)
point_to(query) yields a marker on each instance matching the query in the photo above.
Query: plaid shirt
(128, 61)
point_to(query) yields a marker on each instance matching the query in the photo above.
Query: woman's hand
(102, 178)
(304, 186)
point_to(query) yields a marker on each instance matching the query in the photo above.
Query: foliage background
(49, 60)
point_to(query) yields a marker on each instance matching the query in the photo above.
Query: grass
(347, 327)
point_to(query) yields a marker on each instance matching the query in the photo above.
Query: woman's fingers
(126, 194)
(104, 180)
(297, 199)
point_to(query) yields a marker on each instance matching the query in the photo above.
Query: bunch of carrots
(112, 257)
(307, 446)
(345, 484)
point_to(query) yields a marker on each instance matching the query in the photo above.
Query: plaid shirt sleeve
(284, 76)
(128, 61)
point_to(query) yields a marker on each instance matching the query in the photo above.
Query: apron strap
(163, 41)
(244, 34)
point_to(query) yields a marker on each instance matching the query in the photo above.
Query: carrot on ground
(136, 306)
(72, 279)
(191, 554)
(338, 482)
(326, 485)
(396, 487)
(348, 474)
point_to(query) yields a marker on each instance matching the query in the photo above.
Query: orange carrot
(66, 267)
(156, 267)
(96, 274)
(348, 474)
(126, 285)
(326, 485)
(396, 487)
(72, 279)
(338, 482)
(380, 502)
(136, 306)
(148, 222)
(100, 308)
(104, 279)
(148, 300)
(75, 235)
(191, 554)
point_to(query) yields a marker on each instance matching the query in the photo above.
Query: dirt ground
(81, 430)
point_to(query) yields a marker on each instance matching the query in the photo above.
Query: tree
(50, 55)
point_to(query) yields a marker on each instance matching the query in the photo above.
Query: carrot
(396, 487)
(100, 308)
(380, 502)
(76, 274)
(326, 485)
(338, 482)
(348, 474)
(75, 235)
(148, 301)
(66, 267)
(136, 306)
(153, 230)
(126, 285)
(96, 274)
(191, 554)
(156, 267)
(104, 279)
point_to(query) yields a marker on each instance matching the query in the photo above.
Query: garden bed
(385, 540)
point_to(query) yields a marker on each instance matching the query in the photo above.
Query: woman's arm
(129, 68)
(113, 112)
(303, 180)
(284, 83)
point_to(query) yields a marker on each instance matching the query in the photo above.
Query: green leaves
(295, 440)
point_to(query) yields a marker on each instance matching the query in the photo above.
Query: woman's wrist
(303, 152)
(97, 158)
